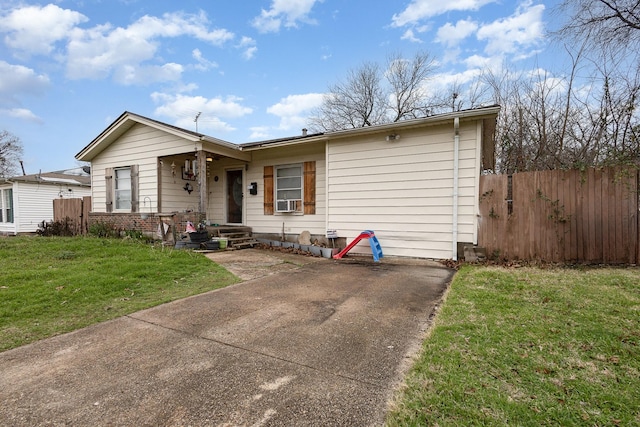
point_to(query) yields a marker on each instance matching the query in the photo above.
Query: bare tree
(369, 97)
(356, 102)
(555, 122)
(607, 24)
(407, 80)
(10, 154)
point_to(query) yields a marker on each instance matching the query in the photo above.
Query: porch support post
(202, 181)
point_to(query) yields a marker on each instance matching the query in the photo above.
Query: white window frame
(280, 194)
(7, 206)
(117, 192)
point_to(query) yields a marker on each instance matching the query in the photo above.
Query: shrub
(56, 228)
(104, 229)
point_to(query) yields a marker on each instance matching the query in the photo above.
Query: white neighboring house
(27, 200)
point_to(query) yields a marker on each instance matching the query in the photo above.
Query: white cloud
(16, 82)
(418, 10)
(102, 50)
(182, 110)
(203, 63)
(18, 79)
(452, 35)
(249, 46)
(35, 29)
(147, 74)
(483, 62)
(284, 12)
(21, 114)
(523, 29)
(408, 35)
(129, 54)
(292, 109)
(259, 132)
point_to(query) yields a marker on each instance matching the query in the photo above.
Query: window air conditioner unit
(286, 206)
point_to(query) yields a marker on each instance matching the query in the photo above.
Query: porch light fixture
(393, 137)
(188, 187)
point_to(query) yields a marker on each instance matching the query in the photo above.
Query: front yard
(518, 346)
(52, 285)
(529, 346)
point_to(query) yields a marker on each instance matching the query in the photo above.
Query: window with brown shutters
(121, 187)
(290, 188)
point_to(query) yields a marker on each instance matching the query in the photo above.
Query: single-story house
(27, 200)
(415, 183)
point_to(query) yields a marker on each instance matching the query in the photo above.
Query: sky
(252, 69)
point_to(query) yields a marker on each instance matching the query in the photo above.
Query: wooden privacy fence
(586, 216)
(77, 210)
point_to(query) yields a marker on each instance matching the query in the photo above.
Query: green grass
(51, 285)
(529, 347)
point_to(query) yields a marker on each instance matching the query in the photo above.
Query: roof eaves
(129, 116)
(279, 142)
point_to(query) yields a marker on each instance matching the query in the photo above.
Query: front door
(234, 196)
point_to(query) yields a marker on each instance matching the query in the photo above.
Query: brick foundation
(148, 225)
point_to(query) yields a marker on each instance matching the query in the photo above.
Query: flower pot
(315, 250)
(213, 244)
(198, 236)
(327, 252)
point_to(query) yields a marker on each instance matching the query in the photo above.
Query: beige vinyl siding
(294, 223)
(143, 145)
(403, 190)
(174, 197)
(217, 208)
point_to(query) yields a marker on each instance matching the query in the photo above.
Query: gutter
(456, 161)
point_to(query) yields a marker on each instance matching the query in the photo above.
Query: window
(297, 182)
(6, 205)
(288, 188)
(123, 188)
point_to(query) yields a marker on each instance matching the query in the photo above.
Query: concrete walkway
(318, 342)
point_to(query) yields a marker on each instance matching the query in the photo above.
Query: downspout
(456, 146)
(326, 185)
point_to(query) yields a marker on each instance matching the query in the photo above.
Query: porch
(171, 227)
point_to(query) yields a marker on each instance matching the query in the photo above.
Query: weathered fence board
(76, 210)
(562, 216)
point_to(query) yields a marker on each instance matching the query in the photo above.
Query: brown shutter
(309, 188)
(134, 189)
(108, 184)
(488, 144)
(268, 190)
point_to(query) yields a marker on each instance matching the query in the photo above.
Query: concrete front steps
(238, 237)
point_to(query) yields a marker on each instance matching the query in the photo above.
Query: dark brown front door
(234, 196)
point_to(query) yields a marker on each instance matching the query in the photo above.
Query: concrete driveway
(307, 341)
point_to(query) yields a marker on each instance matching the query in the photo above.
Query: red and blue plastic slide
(376, 249)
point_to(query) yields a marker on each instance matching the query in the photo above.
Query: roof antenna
(22, 166)
(196, 120)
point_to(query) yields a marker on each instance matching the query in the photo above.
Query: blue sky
(253, 68)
